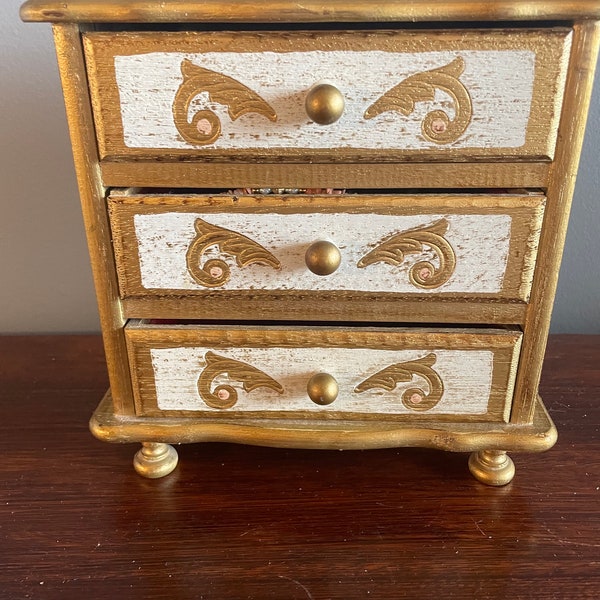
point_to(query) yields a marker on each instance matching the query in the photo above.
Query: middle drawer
(341, 248)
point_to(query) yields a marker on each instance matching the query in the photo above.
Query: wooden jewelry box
(327, 224)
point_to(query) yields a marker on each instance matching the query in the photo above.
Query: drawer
(322, 373)
(402, 95)
(451, 246)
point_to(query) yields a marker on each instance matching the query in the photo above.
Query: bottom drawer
(194, 370)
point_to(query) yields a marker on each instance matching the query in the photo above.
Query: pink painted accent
(216, 272)
(424, 273)
(416, 399)
(223, 395)
(439, 126)
(204, 126)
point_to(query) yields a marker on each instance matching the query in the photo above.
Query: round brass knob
(322, 388)
(324, 104)
(323, 258)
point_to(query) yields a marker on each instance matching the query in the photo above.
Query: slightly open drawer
(219, 249)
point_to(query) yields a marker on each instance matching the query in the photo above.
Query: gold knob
(324, 104)
(322, 388)
(323, 258)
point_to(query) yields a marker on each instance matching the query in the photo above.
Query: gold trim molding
(225, 396)
(216, 272)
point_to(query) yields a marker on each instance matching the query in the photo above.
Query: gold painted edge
(326, 175)
(141, 332)
(539, 436)
(585, 47)
(288, 305)
(81, 126)
(308, 11)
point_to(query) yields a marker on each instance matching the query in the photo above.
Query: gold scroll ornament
(436, 126)
(225, 396)
(215, 271)
(423, 274)
(205, 127)
(413, 398)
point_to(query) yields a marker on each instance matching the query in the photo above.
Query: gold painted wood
(586, 44)
(144, 336)
(526, 212)
(295, 306)
(308, 11)
(538, 436)
(79, 116)
(317, 175)
(550, 47)
(155, 460)
(492, 467)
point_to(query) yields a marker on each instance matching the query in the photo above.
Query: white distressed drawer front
(193, 370)
(434, 94)
(446, 246)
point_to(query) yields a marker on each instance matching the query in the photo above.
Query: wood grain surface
(361, 175)
(248, 522)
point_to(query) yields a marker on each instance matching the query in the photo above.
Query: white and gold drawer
(332, 96)
(448, 247)
(323, 373)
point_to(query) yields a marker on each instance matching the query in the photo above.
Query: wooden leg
(155, 460)
(492, 467)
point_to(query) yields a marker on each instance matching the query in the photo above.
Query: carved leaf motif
(225, 396)
(205, 127)
(422, 274)
(414, 398)
(437, 126)
(216, 272)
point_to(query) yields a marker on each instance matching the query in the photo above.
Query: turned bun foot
(155, 460)
(492, 467)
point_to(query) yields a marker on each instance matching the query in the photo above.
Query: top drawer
(405, 95)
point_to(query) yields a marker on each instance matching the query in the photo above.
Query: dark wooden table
(245, 522)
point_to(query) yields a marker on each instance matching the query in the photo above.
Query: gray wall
(46, 284)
